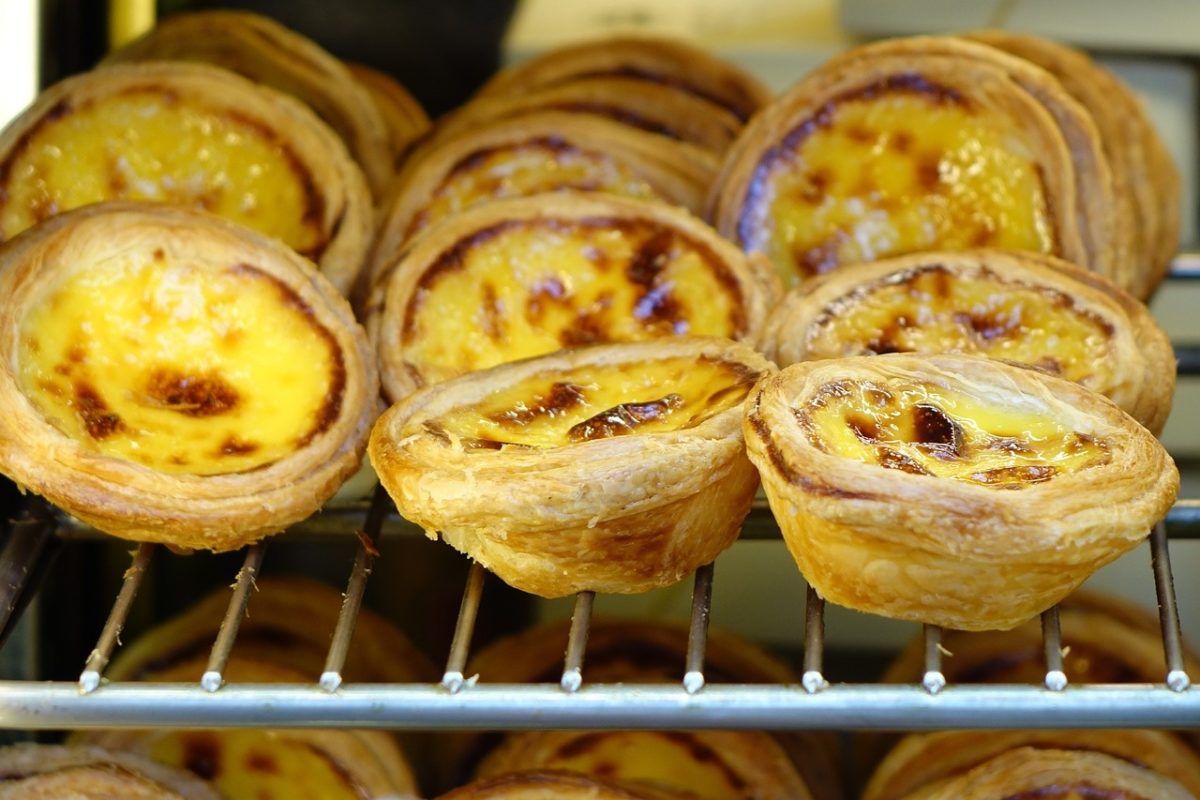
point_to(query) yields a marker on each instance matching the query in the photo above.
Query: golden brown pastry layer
(157, 415)
(952, 490)
(190, 135)
(549, 786)
(266, 52)
(524, 277)
(1017, 307)
(921, 759)
(406, 121)
(661, 60)
(919, 144)
(540, 151)
(631, 454)
(33, 771)
(1031, 774)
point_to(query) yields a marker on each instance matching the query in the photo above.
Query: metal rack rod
(1185, 266)
(1056, 678)
(933, 680)
(813, 679)
(581, 623)
(59, 705)
(343, 632)
(693, 671)
(213, 677)
(464, 628)
(89, 679)
(1168, 611)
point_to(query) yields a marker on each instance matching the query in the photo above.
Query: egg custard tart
(519, 278)
(29, 771)
(537, 152)
(406, 121)
(716, 765)
(924, 144)
(661, 60)
(172, 377)
(923, 759)
(551, 786)
(950, 489)
(1019, 307)
(191, 135)
(613, 468)
(1146, 182)
(1033, 774)
(266, 52)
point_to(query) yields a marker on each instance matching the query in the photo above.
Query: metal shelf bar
(110, 635)
(813, 679)
(1185, 266)
(343, 632)
(464, 628)
(1168, 611)
(31, 705)
(213, 677)
(693, 670)
(933, 680)
(1056, 678)
(581, 623)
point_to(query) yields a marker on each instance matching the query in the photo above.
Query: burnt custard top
(942, 432)
(521, 289)
(932, 309)
(596, 402)
(151, 144)
(181, 368)
(895, 167)
(523, 169)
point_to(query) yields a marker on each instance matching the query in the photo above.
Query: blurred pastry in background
(406, 121)
(548, 786)
(31, 771)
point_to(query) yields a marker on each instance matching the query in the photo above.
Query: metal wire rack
(462, 701)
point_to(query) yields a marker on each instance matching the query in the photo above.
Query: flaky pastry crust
(406, 120)
(550, 786)
(656, 59)
(988, 549)
(118, 495)
(603, 512)
(628, 244)
(31, 771)
(266, 52)
(335, 205)
(984, 302)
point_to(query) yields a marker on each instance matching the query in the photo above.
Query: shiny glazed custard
(894, 168)
(597, 402)
(928, 430)
(528, 168)
(181, 369)
(934, 310)
(535, 287)
(149, 145)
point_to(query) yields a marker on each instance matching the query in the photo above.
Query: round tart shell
(942, 551)
(333, 179)
(1141, 354)
(622, 514)
(406, 120)
(259, 48)
(44, 770)
(127, 499)
(401, 278)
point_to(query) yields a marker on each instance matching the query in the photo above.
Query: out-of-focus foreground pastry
(951, 490)
(548, 786)
(222, 391)
(1017, 307)
(49, 772)
(192, 135)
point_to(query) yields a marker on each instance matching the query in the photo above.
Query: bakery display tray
(460, 700)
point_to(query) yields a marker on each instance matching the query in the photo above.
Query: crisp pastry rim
(348, 221)
(128, 499)
(1142, 351)
(757, 283)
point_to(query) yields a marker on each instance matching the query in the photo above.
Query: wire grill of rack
(463, 701)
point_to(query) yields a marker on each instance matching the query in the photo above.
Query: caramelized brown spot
(493, 314)
(546, 292)
(1049, 364)
(200, 395)
(99, 421)
(929, 175)
(990, 326)
(821, 257)
(262, 762)
(703, 754)
(1029, 473)
(901, 141)
(864, 428)
(51, 387)
(179, 460)
(934, 428)
(580, 745)
(860, 135)
(76, 354)
(1010, 444)
(623, 418)
(893, 459)
(159, 255)
(202, 754)
(983, 237)
(650, 259)
(561, 398)
(233, 446)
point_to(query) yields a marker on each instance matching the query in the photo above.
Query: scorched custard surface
(894, 167)
(180, 368)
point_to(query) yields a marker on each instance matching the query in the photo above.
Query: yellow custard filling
(180, 368)
(934, 310)
(150, 145)
(899, 168)
(931, 430)
(255, 765)
(524, 289)
(525, 169)
(597, 402)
